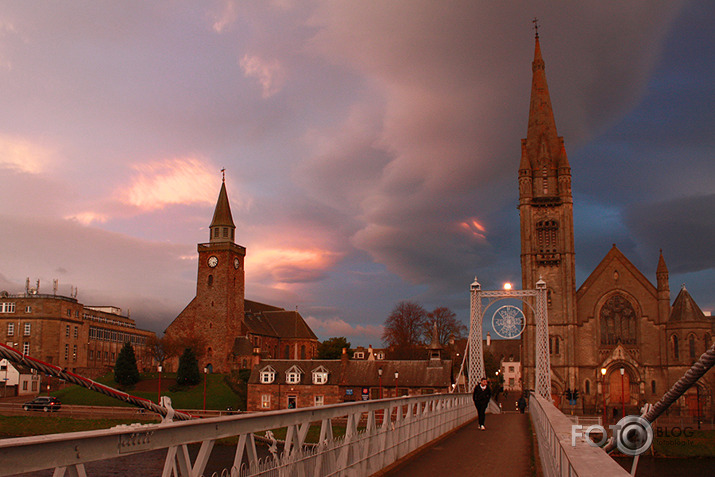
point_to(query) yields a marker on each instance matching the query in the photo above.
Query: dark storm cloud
(683, 228)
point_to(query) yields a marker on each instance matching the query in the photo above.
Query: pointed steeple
(222, 228)
(663, 287)
(543, 152)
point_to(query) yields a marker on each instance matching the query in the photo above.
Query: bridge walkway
(505, 448)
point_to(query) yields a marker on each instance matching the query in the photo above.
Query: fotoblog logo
(633, 435)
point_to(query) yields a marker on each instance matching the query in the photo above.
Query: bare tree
(404, 330)
(447, 325)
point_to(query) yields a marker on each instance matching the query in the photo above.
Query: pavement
(503, 449)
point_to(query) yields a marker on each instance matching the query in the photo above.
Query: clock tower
(212, 321)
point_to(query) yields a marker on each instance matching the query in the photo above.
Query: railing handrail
(27, 454)
(560, 455)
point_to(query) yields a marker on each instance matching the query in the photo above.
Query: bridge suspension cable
(16, 357)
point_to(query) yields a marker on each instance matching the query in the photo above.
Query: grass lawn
(21, 426)
(219, 395)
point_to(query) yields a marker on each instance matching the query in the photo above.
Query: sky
(371, 148)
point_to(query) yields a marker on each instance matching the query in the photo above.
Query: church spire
(222, 228)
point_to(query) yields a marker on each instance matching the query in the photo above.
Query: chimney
(344, 356)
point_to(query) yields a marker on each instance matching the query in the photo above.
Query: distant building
(18, 380)
(227, 331)
(60, 330)
(369, 353)
(286, 384)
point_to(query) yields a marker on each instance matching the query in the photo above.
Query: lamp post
(205, 375)
(379, 376)
(623, 392)
(603, 394)
(158, 398)
(397, 375)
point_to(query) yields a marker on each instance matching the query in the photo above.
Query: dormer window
(320, 375)
(293, 375)
(268, 375)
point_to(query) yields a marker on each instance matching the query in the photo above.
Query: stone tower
(546, 216)
(213, 319)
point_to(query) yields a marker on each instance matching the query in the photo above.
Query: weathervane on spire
(223, 174)
(535, 21)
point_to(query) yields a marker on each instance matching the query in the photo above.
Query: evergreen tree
(125, 368)
(332, 348)
(188, 372)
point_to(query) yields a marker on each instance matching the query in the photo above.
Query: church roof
(685, 308)
(222, 212)
(271, 320)
(615, 255)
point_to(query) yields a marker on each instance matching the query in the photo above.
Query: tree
(158, 348)
(125, 368)
(332, 348)
(188, 372)
(404, 330)
(447, 326)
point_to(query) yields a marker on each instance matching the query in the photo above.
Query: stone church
(617, 339)
(225, 330)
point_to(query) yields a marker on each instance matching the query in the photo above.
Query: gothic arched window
(674, 346)
(546, 236)
(691, 345)
(618, 321)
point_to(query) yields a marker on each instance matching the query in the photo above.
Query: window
(546, 236)
(265, 401)
(34, 386)
(302, 352)
(27, 329)
(28, 309)
(91, 354)
(554, 344)
(76, 332)
(286, 352)
(318, 400)
(380, 355)
(293, 377)
(225, 232)
(7, 307)
(359, 355)
(69, 312)
(10, 329)
(67, 331)
(511, 382)
(210, 280)
(691, 344)
(618, 321)
(511, 369)
(587, 387)
(674, 346)
(74, 353)
(320, 376)
(652, 386)
(67, 351)
(268, 376)
(25, 348)
(24, 385)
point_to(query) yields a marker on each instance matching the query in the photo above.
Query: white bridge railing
(559, 454)
(377, 433)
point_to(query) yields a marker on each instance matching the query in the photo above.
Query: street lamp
(603, 394)
(397, 375)
(158, 398)
(379, 375)
(205, 375)
(623, 392)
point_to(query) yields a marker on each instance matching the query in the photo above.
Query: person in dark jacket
(481, 396)
(522, 404)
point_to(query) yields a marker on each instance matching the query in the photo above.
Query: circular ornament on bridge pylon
(508, 321)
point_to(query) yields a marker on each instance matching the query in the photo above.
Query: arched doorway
(619, 387)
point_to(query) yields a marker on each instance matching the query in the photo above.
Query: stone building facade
(226, 330)
(286, 384)
(60, 330)
(617, 339)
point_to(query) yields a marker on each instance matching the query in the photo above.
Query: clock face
(213, 261)
(236, 263)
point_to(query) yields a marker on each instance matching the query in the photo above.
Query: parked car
(44, 403)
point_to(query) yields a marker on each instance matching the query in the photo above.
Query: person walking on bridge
(481, 396)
